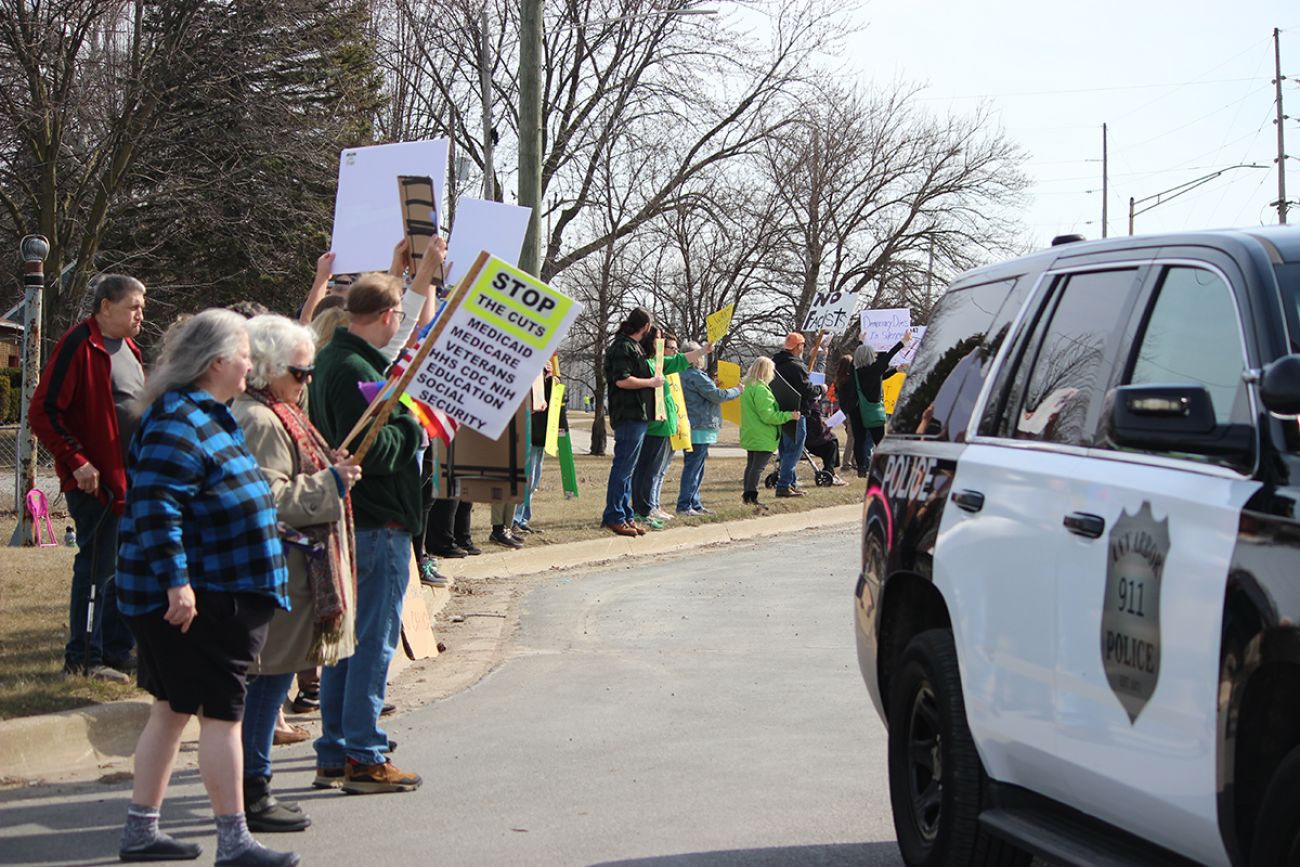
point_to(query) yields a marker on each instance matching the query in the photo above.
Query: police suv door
(1146, 538)
(1000, 538)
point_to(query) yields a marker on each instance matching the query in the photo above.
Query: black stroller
(822, 478)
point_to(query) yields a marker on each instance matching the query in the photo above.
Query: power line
(1088, 89)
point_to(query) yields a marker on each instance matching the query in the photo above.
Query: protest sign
(568, 472)
(482, 469)
(552, 441)
(482, 225)
(881, 329)
(729, 377)
(661, 411)
(492, 345)
(889, 389)
(830, 310)
(717, 323)
(680, 439)
(367, 219)
(836, 420)
(907, 354)
(419, 214)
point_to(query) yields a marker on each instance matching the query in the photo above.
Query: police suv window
(1191, 337)
(1061, 386)
(961, 339)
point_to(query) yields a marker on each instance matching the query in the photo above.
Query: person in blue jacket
(704, 410)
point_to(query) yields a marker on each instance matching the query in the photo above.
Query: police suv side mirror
(1173, 418)
(1279, 386)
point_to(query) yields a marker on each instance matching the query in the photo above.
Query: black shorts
(203, 671)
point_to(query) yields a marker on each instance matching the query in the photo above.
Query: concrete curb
(51, 744)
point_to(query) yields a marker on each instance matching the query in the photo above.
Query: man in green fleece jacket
(351, 751)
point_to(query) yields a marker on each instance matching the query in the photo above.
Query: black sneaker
(504, 539)
(306, 701)
(470, 548)
(454, 551)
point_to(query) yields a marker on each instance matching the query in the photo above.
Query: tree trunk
(598, 404)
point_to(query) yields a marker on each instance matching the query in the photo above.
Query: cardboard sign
(552, 445)
(539, 393)
(418, 639)
(729, 377)
(831, 310)
(717, 323)
(367, 219)
(482, 225)
(661, 411)
(907, 354)
(881, 329)
(481, 367)
(889, 389)
(681, 438)
(478, 469)
(419, 214)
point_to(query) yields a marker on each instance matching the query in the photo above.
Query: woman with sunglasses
(310, 485)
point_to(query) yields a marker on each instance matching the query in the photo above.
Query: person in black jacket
(793, 391)
(870, 370)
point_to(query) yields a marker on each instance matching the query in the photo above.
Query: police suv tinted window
(1060, 378)
(1288, 280)
(961, 339)
(1192, 337)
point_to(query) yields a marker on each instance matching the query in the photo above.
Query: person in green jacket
(351, 751)
(760, 425)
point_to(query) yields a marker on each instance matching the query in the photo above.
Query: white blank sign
(481, 225)
(368, 211)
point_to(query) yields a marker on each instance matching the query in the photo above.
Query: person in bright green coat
(656, 448)
(760, 425)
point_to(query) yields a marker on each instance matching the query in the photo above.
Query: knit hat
(793, 340)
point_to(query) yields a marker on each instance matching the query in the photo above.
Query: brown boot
(359, 779)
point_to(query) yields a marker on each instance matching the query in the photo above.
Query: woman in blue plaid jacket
(200, 573)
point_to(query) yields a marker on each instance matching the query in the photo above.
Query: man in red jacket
(83, 413)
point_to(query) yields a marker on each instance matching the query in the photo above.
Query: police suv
(1079, 605)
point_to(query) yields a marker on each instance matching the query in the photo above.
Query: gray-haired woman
(869, 371)
(198, 537)
(310, 485)
(704, 410)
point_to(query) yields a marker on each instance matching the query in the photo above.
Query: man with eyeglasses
(387, 509)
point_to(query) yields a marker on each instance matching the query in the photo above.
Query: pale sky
(1183, 86)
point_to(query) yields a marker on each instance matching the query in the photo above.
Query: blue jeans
(692, 475)
(790, 451)
(651, 465)
(352, 692)
(628, 436)
(109, 639)
(266, 693)
(524, 511)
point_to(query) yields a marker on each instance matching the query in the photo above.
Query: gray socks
(141, 827)
(233, 838)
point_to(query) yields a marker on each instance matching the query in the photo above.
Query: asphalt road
(701, 709)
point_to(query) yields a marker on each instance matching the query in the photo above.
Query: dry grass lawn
(34, 583)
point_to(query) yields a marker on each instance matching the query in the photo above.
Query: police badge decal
(1130, 620)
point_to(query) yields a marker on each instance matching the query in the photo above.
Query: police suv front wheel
(1277, 830)
(936, 781)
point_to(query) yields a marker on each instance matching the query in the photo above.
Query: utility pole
(1105, 184)
(530, 130)
(485, 93)
(34, 249)
(1281, 140)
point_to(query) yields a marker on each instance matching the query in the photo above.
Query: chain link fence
(46, 479)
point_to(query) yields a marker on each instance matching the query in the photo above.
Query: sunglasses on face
(301, 374)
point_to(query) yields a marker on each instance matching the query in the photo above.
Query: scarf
(326, 571)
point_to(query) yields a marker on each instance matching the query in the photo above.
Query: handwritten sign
(889, 390)
(552, 442)
(482, 365)
(681, 438)
(881, 329)
(661, 410)
(717, 323)
(729, 377)
(907, 354)
(831, 310)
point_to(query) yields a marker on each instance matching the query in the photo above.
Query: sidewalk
(102, 737)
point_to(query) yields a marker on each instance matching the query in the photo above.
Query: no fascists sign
(495, 343)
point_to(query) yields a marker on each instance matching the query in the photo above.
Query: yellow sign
(552, 446)
(729, 377)
(889, 390)
(718, 323)
(681, 438)
(661, 411)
